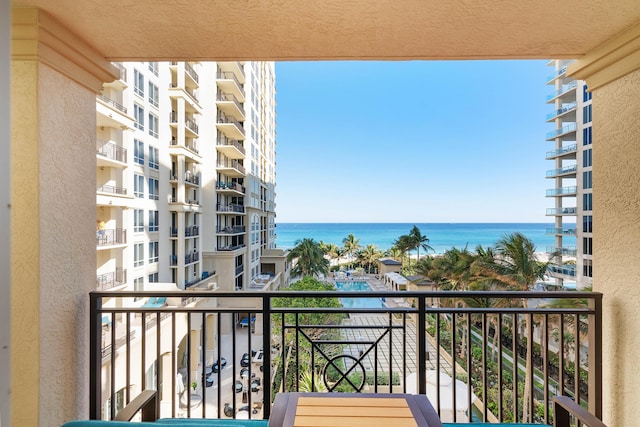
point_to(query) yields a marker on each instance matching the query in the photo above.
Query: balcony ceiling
(335, 29)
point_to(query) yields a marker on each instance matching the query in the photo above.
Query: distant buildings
(571, 175)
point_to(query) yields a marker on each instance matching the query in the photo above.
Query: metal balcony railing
(567, 270)
(227, 97)
(111, 237)
(232, 207)
(236, 229)
(112, 103)
(189, 69)
(226, 163)
(506, 350)
(562, 211)
(112, 279)
(223, 118)
(192, 231)
(112, 190)
(224, 141)
(111, 150)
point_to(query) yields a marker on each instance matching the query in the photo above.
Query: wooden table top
(352, 410)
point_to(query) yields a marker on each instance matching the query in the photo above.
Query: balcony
(229, 230)
(231, 127)
(567, 171)
(229, 83)
(112, 279)
(185, 148)
(230, 105)
(191, 72)
(121, 82)
(562, 191)
(561, 211)
(230, 187)
(190, 95)
(110, 195)
(191, 178)
(568, 89)
(111, 237)
(231, 168)
(571, 107)
(557, 74)
(231, 148)
(191, 125)
(564, 131)
(110, 154)
(560, 232)
(230, 208)
(568, 152)
(395, 342)
(564, 270)
(562, 250)
(191, 231)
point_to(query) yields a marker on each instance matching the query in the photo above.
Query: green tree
(402, 245)
(418, 240)
(309, 257)
(351, 245)
(368, 256)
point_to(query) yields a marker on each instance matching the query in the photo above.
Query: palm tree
(310, 258)
(351, 245)
(332, 251)
(403, 244)
(517, 268)
(419, 240)
(368, 256)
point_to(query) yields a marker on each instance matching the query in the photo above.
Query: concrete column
(612, 72)
(55, 77)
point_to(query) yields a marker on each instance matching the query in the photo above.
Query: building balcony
(231, 127)
(106, 239)
(236, 229)
(566, 91)
(560, 231)
(192, 231)
(229, 208)
(228, 82)
(192, 73)
(110, 154)
(109, 195)
(562, 191)
(230, 248)
(562, 250)
(562, 270)
(565, 131)
(231, 188)
(190, 124)
(187, 148)
(121, 82)
(372, 352)
(190, 95)
(192, 179)
(570, 211)
(231, 148)
(567, 171)
(231, 168)
(561, 72)
(112, 114)
(568, 152)
(230, 105)
(110, 280)
(563, 111)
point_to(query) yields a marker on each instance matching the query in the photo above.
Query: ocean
(442, 236)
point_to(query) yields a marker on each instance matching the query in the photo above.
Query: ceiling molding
(611, 60)
(36, 36)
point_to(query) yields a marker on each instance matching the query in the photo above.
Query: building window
(587, 135)
(138, 114)
(153, 125)
(138, 186)
(154, 191)
(586, 96)
(153, 278)
(138, 254)
(587, 243)
(153, 94)
(153, 252)
(153, 220)
(587, 224)
(153, 67)
(138, 83)
(138, 221)
(138, 285)
(587, 201)
(586, 180)
(153, 157)
(138, 151)
(587, 268)
(586, 114)
(587, 158)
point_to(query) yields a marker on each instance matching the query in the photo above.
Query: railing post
(595, 356)
(95, 356)
(266, 356)
(422, 345)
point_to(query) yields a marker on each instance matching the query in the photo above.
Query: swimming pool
(358, 302)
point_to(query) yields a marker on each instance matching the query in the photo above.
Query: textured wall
(616, 199)
(53, 264)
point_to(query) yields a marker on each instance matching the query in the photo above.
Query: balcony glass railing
(562, 191)
(561, 231)
(567, 270)
(560, 151)
(571, 127)
(562, 250)
(564, 89)
(565, 108)
(232, 207)
(226, 354)
(562, 211)
(562, 171)
(558, 73)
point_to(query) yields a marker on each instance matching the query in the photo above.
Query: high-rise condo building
(572, 178)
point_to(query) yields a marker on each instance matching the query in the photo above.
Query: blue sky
(416, 141)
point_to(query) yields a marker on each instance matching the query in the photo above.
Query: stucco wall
(616, 209)
(53, 189)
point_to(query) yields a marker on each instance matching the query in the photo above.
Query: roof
(389, 261)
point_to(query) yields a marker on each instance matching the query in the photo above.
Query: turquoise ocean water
(442, 236)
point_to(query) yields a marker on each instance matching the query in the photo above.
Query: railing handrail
(112, 103)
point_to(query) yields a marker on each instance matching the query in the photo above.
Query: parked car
(245, 361)
(220, 364)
